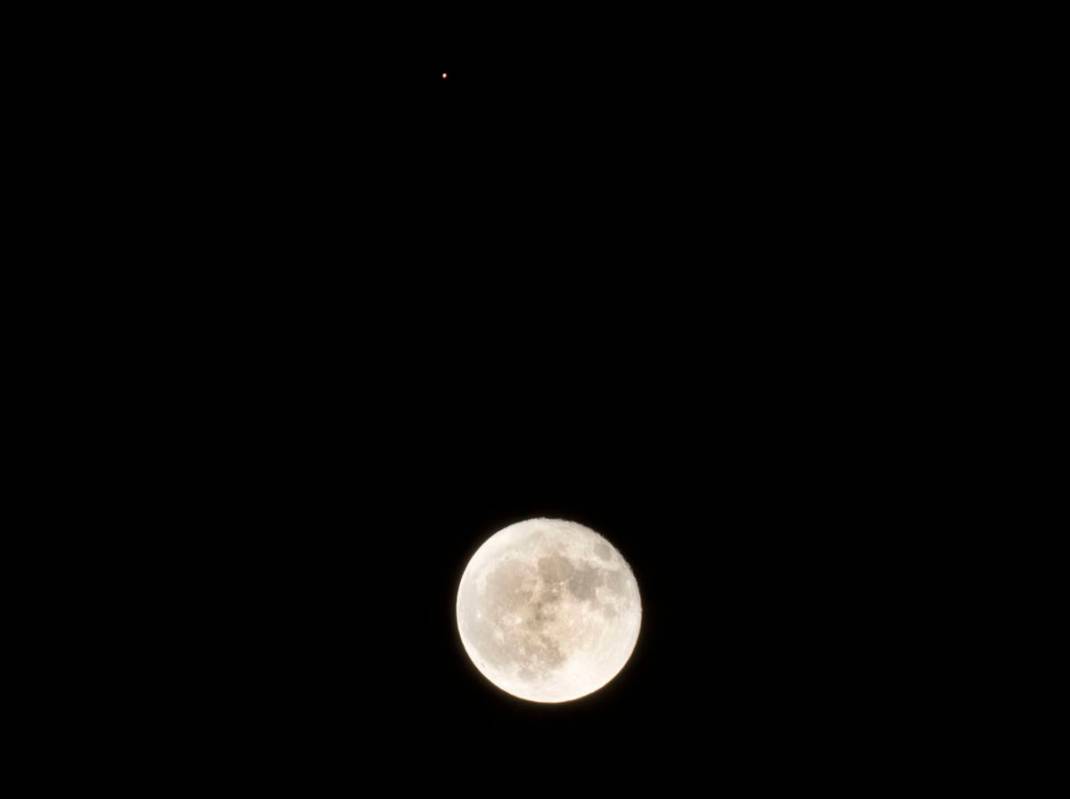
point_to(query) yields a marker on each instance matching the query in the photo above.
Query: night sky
(603, 272)
(314, 535)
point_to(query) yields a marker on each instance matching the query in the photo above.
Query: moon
(548, 610)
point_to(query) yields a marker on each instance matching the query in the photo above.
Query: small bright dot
(445, 75)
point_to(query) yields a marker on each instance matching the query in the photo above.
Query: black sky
(602, 273)
(312, 555)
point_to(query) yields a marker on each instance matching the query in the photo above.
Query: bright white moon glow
(548, 610)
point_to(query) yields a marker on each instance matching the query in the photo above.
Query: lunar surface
(548, 610)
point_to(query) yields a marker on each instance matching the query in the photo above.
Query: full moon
(548, 610)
